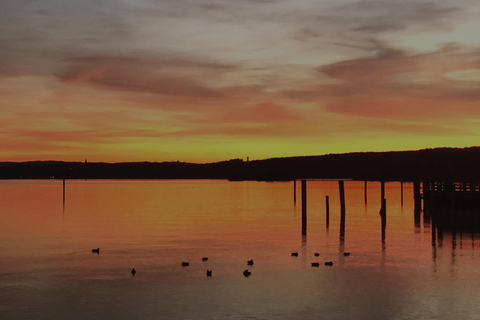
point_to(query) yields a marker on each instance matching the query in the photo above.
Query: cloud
(394, 83)
(145, 76)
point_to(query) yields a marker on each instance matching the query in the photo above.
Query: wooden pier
(449, 204)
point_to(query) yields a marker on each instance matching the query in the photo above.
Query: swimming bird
(185, 264)
(316, 254)
(246, 273)
(204, 259)
(209, 273)
(133, 272)
(250, 262)
(294, 254)
(329, 263)
(346, 254)
(97, 251)
(315, 264)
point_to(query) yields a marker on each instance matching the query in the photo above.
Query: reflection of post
(327, 213)
(365, 191)
(341, 188)
(304, 207)
(64, 192)
(383, 215)
(295, 191)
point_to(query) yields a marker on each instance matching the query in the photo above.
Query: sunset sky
(205, 80)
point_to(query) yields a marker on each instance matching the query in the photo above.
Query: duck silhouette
(315, 264)
(97, 251)
(209, 273)
(329, 263)
(250, 262)
(185, 264)
(204, 259)
(294, 254)
(346, 254)
(316, 254)
(246, 273)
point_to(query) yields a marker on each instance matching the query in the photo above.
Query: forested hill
(451, 163)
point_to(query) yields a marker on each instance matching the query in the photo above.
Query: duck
(204, 259)
(97, 251)
(209, 273)
(133, 272)
(316, 254)
(246, 273)
(185, 264)
(315, 264)
(250, 262)
(346, 254)
(294, 254)
(329, 263)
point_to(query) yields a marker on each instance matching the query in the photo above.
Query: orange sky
(211, 80)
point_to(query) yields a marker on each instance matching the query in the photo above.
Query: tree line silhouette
(460, 164)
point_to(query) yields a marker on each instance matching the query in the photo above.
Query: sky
(205, 81)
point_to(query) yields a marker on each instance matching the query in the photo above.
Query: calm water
(47, 269)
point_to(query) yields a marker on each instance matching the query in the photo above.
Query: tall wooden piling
(341, 188)
(304, 207)
(365, 191)
(383, 216)
(327, 213)
(295, 191)
(401, 193)
(418, 201)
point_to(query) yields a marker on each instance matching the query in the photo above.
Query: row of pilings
(449, 206)
(341, 189)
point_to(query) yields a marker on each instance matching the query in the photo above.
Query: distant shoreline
(461, 164)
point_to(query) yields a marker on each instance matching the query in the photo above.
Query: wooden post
(365, 191)
(327, 215)
(295, 191)
(383, 215)
(304, 207)
(401, 193)
(341, 188)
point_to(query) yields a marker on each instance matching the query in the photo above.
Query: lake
(48, 270)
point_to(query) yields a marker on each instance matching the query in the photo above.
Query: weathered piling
(327, 211)
(383, 215)
(295, 191)
(418, 200)
(401, 193)
(304, 207)
(341, 188)
(365, 191)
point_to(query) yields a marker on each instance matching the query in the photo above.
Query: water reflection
(154, 225)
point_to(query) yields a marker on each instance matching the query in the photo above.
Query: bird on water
(97, 251)
(133, 272)
(294, 254)
(209, 273)
(185, 264)
(204, 259)
(250, 262)
(246, 273)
